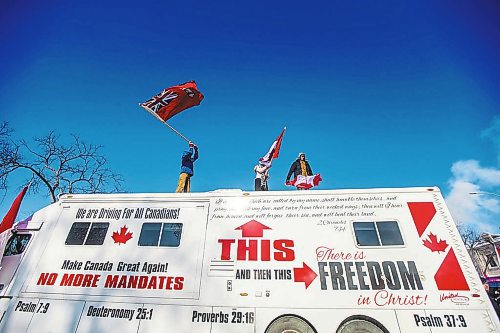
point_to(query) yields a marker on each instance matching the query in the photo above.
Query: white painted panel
(19, 316)
(123, 268)
(109, 317)
(412, 321)
(460, 321)
(178, 319)
(56, 316)
(239, 320)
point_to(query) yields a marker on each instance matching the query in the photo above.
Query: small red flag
(174, 100)
(278, 143)
(275, 148)
(306, 182)
(10, 217)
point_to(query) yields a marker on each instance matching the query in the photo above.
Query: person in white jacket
(261, 176)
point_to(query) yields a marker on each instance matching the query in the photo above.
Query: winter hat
(300, 154)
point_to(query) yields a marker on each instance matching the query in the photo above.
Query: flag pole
(176, 131)
(164, 122)
(283, 132)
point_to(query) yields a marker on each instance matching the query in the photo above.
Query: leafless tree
(470, 236)
(75, 168)
(4, 131)
(5, 151)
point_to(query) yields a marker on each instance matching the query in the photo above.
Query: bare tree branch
(75, 168)
(8, 153)
(470, 236)
(5, 130)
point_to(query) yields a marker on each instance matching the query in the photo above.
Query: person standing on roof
(299, 167)
(261, 175)
(187, 168)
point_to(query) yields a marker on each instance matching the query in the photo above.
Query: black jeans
(259, 186)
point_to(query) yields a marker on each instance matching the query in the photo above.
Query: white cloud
(481, 210)
(471, 171)
(461, 204)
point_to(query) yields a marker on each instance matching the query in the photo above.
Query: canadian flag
(274, 150)
(306, 182)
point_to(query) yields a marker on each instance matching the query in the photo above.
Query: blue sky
(378, 94)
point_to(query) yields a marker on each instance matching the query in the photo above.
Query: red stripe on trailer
(449, 275)
(422, 214)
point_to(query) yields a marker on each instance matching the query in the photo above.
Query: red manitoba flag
(174, 100)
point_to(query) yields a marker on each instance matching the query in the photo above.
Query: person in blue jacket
(187, 168)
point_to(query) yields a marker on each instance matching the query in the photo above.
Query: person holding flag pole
(187, 168)
(265, 163)
(167, 104)
(261, 176)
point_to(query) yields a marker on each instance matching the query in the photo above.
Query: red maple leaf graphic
(123, 236)
(433, 244)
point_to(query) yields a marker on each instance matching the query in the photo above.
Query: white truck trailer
(339, 261)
